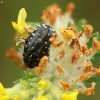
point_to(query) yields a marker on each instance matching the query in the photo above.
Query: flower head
(67, 65)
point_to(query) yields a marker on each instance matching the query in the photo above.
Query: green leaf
(96, 59)
(80, 23)
(69, 24)
(17, 39)
(93, 79)
(32, 77)
(89, 43)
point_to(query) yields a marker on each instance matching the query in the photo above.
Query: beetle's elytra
(37, 45)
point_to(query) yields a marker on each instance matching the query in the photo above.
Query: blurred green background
(9, 72)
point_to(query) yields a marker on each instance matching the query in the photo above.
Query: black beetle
(37, 45)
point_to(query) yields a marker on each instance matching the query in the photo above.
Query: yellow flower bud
(42, 84)
(42, 98)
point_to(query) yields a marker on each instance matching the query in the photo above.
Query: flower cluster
(62, 74)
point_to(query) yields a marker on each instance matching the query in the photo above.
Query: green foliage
(80, 23)
(28, 76)
(96, 59)
(96, 34)
(93, 79)
(17, 39)
(69, 24)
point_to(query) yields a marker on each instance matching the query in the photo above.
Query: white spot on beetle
(51, 29)
(39, 39)
(45, 42)
(44, 26)
(44, 52)
(43, 31)
(48, 34)
(30, 38)
(36, 33)
(38, 59)
(30, 55)
(33, 34)
(39, 25)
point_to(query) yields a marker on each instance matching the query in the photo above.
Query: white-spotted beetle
(37, 45)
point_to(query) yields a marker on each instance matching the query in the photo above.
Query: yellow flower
(42, 84)
(67, 34)
(3, 94)
(21, 24)
(17, 97)
(65, 96)
(71, 96)
(42, 98)
(2, 90)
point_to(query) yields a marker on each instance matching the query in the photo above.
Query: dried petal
(96, 71)
(59, 69)
(88, 67)
(90, 91)
(70, 7)
(56, 42)
(85, 50)
(43, 61)
(65, 85)
(38, 70)
(84, 77)
(75, 57)
(75, 41)
(88, 29)
(95, 45)
(61, 54)
(11, 53)
(51, 13)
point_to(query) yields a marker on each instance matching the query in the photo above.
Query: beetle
(37, 45)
